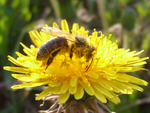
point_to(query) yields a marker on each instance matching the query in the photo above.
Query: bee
(74, 44)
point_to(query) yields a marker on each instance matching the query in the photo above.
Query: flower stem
(56, 8)
(101, 10)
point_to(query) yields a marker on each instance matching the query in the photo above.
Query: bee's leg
(89, 65)
(50, 59)
(81, 54)
(71, 51)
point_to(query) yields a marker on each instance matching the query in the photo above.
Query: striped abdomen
(50, 47)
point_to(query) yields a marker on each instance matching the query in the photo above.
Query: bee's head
(81, 41)
(89, 52)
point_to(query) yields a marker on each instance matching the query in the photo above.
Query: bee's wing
(59, 33)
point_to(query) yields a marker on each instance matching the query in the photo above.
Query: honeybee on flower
(77, 67)
(76, 44)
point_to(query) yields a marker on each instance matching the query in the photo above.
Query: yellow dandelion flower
(102, 77)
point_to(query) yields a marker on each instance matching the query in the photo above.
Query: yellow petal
(136, 80)
(79, 93)
(43, 93)
(93, 75)
(115, 98)
(102, 90)
(36, 38)
(63, 97)
(65, 86)
(75, 28)
(17, 69)
(64, 26)
(134, 86)
(72, 90)
(14, 61)
(88, 88)
(27, 50)
(28, 85)
(122, 87)
(73, 81)
(100, 96)
(56, 25)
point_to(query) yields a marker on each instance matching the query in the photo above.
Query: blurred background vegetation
(127, 20)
